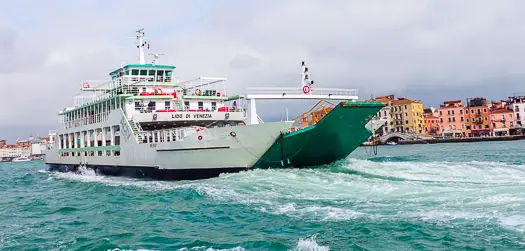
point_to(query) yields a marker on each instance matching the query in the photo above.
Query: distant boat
(391, 143)
(5, 159)
(21, 159)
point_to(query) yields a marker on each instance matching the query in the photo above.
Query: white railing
(92, 119)
(217, 86)
(165, 135)
(298, 90)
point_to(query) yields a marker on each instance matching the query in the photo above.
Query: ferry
(144, 123)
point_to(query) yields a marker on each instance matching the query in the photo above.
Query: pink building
(451, 118)
(502, 121)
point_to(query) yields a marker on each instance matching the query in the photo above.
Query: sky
(426, 50)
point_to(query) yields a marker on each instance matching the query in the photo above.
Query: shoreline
(456, 140)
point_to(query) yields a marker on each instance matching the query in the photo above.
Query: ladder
(136, 128)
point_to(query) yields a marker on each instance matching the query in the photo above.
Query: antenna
(305, 81)
(140, 45)
(155, 57)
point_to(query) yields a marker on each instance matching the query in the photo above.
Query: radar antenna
(155, 57)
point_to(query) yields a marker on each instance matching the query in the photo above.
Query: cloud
(378, 47)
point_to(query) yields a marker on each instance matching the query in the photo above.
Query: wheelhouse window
(201, 105)
(143, 72)
(135, 72)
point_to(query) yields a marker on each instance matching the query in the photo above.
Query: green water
(421, 197)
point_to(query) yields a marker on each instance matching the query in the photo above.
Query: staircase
(136, 128)
(179, 106)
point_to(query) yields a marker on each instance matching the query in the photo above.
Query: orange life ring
(200, 137)
(198, 92)
(306, 89)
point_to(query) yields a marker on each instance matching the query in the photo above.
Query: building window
(440, 113)
(486, 119)
(461, 119)
(441, 119)
(467, 120)
(510, 115)
(449, 120)
(466, 111)
(461, 112)
(453, 119)
(493, 117)
(406, 107)
(472, 111)
(452, 112)
(516, 108)
(485, 110)
(511, 123)
(448, 112)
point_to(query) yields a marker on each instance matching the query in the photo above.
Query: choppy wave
(385, 199)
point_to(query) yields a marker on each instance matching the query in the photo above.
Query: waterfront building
(432, 125)
(385, 113)
(23, 144)
(517, 104)
(502, 121)
(451, 118)
(477, 114)
(407, 116)
(2, 143)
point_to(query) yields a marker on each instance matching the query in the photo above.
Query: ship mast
(305, 81)
(141, 44)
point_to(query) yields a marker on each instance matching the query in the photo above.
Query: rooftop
(127, 66)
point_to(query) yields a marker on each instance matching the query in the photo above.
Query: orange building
(477, 114)
(23, 144)
(502, 121)
(432, 125)
(451, 118)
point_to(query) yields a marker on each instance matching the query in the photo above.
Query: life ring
(198, 92)
(306, 89)
(158, 91)
(200, 137)
(85, 85)
(233, 134)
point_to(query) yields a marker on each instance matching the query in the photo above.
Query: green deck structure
(334, 137)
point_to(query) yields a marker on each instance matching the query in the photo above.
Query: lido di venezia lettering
(194, 116)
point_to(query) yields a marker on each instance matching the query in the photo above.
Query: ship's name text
(189, 116)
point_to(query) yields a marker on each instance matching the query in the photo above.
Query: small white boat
(391, 143)
(21, 159)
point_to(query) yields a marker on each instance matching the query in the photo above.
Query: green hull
(333, 138)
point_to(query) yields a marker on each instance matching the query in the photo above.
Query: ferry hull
(333, 138)
(202, 154)
(150, 172)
